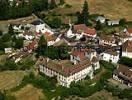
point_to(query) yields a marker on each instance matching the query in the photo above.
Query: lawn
(29, 92)
(10, 79)
(113, 9)
(102, 95)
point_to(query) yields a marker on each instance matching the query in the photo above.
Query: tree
(122, 21)
(126, 61)
(11, 30)
(17, 42)
(42, 46)
(62, 2)
(79, 18)
(85, 13)
(55, 22)
(52, 4)
(1, 33)
(98, 25)
(2, 96)
(4, 9)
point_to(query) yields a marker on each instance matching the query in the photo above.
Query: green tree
(52, 4)
(62, 2)
(42, 46)
(11, 30)
(4, 9)
(122, 21)
(55, 22)
(126, 61)
(2, 96)
(98, 25)
(85, 13)
(17, 42)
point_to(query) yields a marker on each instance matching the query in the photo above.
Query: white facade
(43, 29)
(27, 37)
(109, 57)
(114, 22)
(8, 50)
(101, 19)
(127, 54)
(66, 80)
(105, 42)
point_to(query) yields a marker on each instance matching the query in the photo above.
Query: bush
(126, 61)
(2, 96)
(67, 6)
(107, 65)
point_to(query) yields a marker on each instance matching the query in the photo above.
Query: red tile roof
(85, 29)
(79, 52)
(129, 30)
(124, 71)
(67, 70)
(127, 46)
(31, 45)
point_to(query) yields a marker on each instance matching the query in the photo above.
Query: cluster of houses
(84, 59)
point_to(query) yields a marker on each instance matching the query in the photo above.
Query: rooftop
(66, 68)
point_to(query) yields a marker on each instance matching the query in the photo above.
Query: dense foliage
(83, 16)
(8, 10)
(51, 51)
(126, 61)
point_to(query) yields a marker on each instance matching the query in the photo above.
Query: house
(66, 73)
(8, 50)
(50, 38)
(128, 31)
(124, 37)
(101, 19)
(79, 54)
(72, 34)
(77, 68)
(41, 27)
(110, 55)
(108, 40)
(113, 22)
(28, 35)
(18, 56)
(127, 49)
(123, 74)
(31, 46)
(83, 29)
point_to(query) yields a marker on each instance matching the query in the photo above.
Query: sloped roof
(127, 46)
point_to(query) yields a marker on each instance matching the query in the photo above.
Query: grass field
(113, 9)
(10, 79)
(101, 95)
(29, 93)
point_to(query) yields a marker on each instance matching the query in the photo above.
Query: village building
(101, 19)
(127, 49)
(78, 67)
(8, 50)
(108, 40)
(128, 31)
(80, 30)
(113, 22)
(110, 56)
(83, 29)
(41, 27)
(123, 74)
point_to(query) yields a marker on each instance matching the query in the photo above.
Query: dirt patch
(29, 93)
(10, 79)
(23, 20)
(113, 9)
